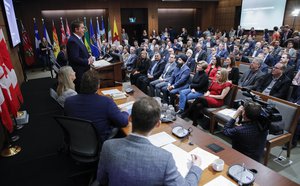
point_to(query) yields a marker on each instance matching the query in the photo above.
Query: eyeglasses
(277, 68)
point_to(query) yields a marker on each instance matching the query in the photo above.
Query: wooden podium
(110, 74)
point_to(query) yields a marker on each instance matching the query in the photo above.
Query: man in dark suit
(78, 55)
(135, 161)
(62, 56)
(155, 70)
(101, 110)
(269, 59)
(275, 83)
(200, 54)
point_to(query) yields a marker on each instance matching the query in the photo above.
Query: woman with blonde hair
(66, 86)
(214, 97)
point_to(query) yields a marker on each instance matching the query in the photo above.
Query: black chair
(80, 139)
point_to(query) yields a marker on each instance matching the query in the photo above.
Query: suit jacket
(101, 110)
(158, 69)
(166, 75)
(180, 76)
(130, 61)
(134, 161)
(78, 57)
(269, 60)
(190, 62)
(243, 82)
(279, 89)
(202, 56)
(222, 54)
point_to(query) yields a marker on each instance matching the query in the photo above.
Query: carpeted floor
(39, 162)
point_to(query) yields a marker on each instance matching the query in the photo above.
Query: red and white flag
(64, 38)
(8, 81)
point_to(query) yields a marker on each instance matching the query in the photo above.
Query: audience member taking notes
(135, 161)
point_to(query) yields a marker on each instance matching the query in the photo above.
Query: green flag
(87, 37)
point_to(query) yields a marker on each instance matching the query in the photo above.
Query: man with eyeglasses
(249, 78)
(78, 55)
(275, 83)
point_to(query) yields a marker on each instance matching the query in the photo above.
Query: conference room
(54, 122)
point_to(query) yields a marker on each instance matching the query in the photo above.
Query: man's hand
(196, 160)
(91, 60)
(193, 90)
(170, 87)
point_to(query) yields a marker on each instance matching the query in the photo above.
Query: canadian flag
(9, 85)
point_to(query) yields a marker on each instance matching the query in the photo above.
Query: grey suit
(247, 82)
(134, 161)
(156, 85)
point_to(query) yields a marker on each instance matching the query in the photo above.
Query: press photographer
(248, 136)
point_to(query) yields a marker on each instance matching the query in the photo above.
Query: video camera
(269, 119)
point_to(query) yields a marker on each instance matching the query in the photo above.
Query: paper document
(126, 106)
(100, 63)
(227, 112)
(111, 92)
(161, 139)
(207, 158)
(220, 181)
(183, 160)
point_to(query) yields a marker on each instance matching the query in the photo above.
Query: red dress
(212, 72)
(216, 89)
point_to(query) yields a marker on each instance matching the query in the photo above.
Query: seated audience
(66, 86)
(154, 72)
(275, 83)
(135, 161)
(243, 135)
(214, 97)
(101, 110)
(62, 56)
(249, 78)
(140, 67)
(213, 67)
(197, 87)
(178, 81)
(233, 71)
(156, 85)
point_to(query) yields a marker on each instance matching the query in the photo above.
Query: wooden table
(265, 175)
(110, 74)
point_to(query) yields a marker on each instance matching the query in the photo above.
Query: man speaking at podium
(135, 161)
(78, 55)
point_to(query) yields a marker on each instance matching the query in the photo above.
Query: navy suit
(130, 62)
(101, 110)
(78, 57)
(143, 81)
(269, 60)
(179, 80)
(190, 62)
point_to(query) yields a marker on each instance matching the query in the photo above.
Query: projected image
(262, 14)
(12, 23)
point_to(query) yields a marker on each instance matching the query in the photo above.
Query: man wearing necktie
(154, 72)
(78, 55)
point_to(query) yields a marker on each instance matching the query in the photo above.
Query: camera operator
(247, 137)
